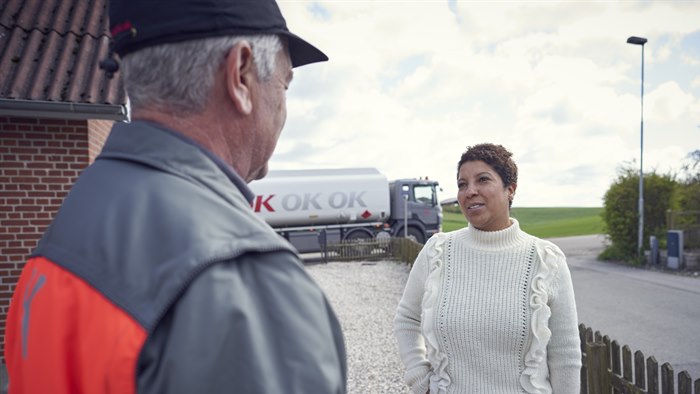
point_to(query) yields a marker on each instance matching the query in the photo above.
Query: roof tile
(50, 50)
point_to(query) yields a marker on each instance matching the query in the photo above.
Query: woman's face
(482, 197)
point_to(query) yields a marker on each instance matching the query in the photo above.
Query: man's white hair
(178, 77)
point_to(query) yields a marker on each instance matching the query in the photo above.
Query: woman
(489, 308)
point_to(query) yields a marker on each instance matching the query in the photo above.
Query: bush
(688, 193)
(688, 196)
(617, 253)
(687, 218)
(621, 216)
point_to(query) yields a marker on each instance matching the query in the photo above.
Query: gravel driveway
(365, 296)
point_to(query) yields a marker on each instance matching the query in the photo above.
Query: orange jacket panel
(65, 337)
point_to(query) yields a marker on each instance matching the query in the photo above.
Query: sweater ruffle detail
(439, 379)
(534, 378)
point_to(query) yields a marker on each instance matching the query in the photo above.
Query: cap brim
(301, 52)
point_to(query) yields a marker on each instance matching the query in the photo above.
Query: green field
(544, 222)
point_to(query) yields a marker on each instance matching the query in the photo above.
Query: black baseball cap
(136, 24)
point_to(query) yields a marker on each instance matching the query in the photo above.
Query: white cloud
(690, 60)
(668, 102)
(696, 83)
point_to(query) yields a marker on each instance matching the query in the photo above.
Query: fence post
(584, 358)
(667, 386)
(652, 375)
(685, 383)
(627, 363)
(639, 370)
(597, 367)
(608, 344)
(323, 241)
(616, 366)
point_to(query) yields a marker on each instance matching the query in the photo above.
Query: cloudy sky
(411, 84)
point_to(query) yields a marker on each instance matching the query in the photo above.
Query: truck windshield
(424, 194)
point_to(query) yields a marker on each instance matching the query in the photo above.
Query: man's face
(271, 108)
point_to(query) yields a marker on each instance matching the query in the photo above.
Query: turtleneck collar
(493, 240)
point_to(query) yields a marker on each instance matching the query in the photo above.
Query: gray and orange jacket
(156, 277)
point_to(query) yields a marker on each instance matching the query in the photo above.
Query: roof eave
(61, 110)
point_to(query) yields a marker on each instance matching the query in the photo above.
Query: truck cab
(415, 210)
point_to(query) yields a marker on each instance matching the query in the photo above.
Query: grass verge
(543, 222)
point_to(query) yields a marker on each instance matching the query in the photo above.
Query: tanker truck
(349, 204)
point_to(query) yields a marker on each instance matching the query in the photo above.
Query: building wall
(98, 131)
(40, 161)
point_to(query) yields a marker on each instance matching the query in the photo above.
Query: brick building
(56, 110)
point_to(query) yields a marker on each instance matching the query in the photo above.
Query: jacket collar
(163, 148)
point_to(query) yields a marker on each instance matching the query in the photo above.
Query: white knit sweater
(489, 312)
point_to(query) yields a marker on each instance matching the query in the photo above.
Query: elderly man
(155, 276)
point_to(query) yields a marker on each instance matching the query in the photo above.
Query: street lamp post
(640, 237)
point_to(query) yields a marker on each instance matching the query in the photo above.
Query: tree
(688, 196)
(692, 166)
(621, 217)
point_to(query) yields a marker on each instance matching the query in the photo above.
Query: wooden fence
(603, 372)
(400, 249)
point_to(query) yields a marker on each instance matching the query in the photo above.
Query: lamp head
(637, 40)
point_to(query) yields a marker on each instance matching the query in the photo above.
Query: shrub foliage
(688, 192)
(621, 216)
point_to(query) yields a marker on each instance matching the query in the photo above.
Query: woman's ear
(240, 75)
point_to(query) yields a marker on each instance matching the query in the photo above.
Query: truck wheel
(416, 235)
(384, 240)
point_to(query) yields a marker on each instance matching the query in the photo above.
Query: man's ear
(240, 74)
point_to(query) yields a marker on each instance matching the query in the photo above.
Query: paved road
(657, 313)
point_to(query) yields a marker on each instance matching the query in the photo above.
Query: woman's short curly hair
(496, 156)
